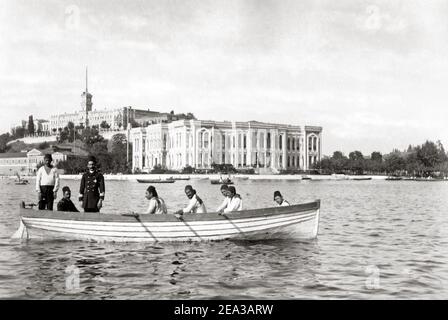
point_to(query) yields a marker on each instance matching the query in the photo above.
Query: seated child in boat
(66, 204)
(156, 204)
(235, 203)
(279, 201)
(225, 202)
(195, 205)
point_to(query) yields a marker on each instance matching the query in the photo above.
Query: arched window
(205, 136)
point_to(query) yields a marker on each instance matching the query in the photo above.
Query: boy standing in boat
(92, 188)
(47, 184)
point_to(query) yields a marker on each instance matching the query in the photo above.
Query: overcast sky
(373, 74)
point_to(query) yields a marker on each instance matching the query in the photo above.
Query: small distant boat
(336, 176)
(20, 181)
(429, 179)
(155, 181)
(361, 178)
(306, 178)
(241, 178)
(394, 178)
(221, 181)
(179, 178)
(299, 221)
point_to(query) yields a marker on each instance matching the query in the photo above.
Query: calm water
(377, 240)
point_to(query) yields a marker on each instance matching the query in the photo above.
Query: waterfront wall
(216, 176)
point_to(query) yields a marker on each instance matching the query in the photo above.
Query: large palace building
(116, 119)
(197, 143)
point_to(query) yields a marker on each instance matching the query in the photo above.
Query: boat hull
(293, 222)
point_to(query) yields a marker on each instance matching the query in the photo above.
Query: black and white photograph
(223, 150)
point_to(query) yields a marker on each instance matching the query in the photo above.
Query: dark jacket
(91, 190)
(67, 205)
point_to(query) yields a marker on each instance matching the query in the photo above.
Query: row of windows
(13, 161)
(23, 161)
(227, 141)
(204, 160)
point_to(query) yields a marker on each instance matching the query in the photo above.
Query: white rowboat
(290, 222)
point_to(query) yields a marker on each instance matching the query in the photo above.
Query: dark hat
(91, 158)
(224, 187)
(189, 187)
(277, 194)
(48, 156)
(66, 188)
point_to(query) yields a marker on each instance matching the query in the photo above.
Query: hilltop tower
(86, 101)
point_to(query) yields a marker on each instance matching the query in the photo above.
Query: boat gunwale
(211, 216)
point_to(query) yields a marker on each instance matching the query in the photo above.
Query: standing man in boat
(92, 188)
(47, 184)
(235, 202)
(66, 204)
(196, 205)
(279, 201)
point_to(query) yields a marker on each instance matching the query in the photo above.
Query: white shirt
(284, 204)
(194, 206)
(155, 207)
(44, 179)
(224, 204)
(235, 204)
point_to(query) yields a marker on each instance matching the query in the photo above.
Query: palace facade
(117, 118)
(198, 143)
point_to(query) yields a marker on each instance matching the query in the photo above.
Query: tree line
(428, 159)
(110, 154)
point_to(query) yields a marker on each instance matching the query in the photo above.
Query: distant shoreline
(130, 177)
(233, 177)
